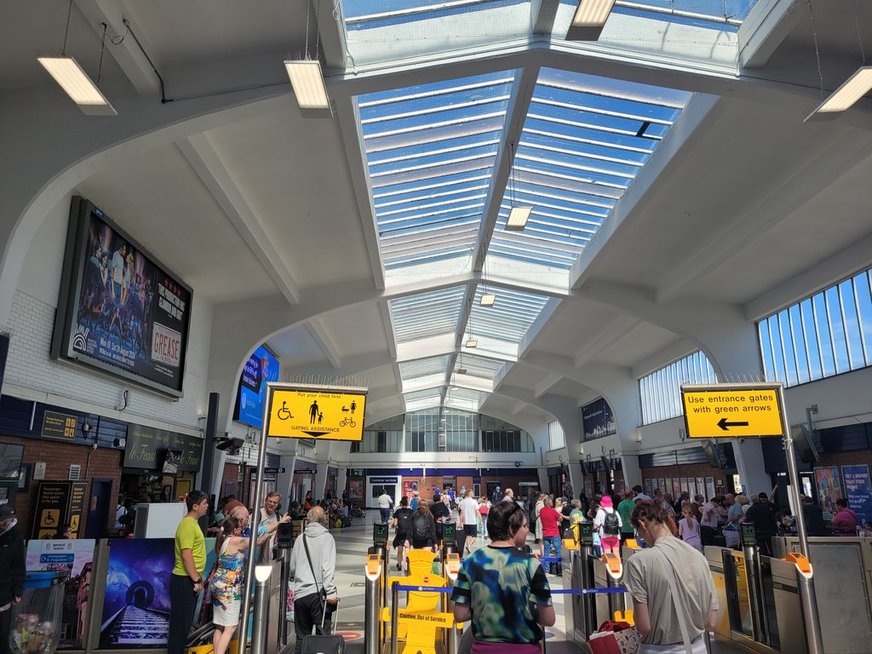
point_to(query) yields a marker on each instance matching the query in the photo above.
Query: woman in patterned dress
(227, 581)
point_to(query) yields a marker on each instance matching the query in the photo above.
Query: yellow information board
(732, 411)
(325, 413)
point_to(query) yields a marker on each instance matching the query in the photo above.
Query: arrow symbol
(724, 424)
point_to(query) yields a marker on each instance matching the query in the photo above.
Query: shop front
(159, 465)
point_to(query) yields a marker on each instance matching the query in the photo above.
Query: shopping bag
(603, 642)
(628, 640)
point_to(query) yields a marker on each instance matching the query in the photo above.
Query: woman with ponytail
(227, 580)
(674, 599)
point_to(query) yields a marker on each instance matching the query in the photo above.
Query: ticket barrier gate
(377, 565)
(762, 600)
(427, 609)
(607, 573)
(843, 590)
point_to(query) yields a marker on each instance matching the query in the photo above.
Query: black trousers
(707, 535)
(183, 600)
(5, 629)
(308, 611)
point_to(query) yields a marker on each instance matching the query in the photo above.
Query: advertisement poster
(262, 367)
(829, 487)
(355, 489)
(127, 312)
(136, 605)
(409, 488)
(858, 491)
(709, 488)
(76, 558)
(597, 420)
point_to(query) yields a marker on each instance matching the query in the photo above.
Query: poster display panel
(709, 490)
(76, 558)
(597, 420)
(261, 368)
(120, 310)
(858, 491)
(829, 487)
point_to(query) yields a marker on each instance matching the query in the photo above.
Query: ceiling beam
(786, 191)
(547, 384)
(331, 27)
(355, 158)
(519, 103)
(206, 162)
(765, 29)
(123, 49)
(316, 329)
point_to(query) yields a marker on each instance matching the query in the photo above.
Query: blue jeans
(552, 543)
(385, 515)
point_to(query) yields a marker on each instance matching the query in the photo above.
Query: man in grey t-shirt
(646, 580)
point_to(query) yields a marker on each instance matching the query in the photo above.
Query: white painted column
(632, 472)
(575, 478)
(320, 481)
(284, 480)
(341, 478)
(749, 462)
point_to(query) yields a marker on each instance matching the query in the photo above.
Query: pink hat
(606, 502)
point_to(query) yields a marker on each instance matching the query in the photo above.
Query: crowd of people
(502, 581)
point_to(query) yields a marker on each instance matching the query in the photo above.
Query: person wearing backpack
(423, 528)
(608, 523)
(402, 523)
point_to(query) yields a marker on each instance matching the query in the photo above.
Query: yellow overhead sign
(325, 413)
(732, 411)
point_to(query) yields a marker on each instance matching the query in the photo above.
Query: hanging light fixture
(472, 341)
(852, 89)
(589, 19)
(73, 79)
(518, 216)
(306, 75)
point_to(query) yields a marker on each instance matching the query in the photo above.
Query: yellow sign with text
(325, 413)
(439, 619)
(732, 411)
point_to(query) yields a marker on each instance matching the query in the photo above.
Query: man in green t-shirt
(625, 510)
(186, 581)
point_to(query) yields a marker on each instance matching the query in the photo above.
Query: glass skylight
(501, 327)
(710, 14)
(426, 314)
(584, 141)
(430, 152)
(380, 30)
(424, 367)
(478, 366)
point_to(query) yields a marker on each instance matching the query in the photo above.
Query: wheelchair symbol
(347, 421)
(283, 413)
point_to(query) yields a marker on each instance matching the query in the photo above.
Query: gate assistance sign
(322, 412)
(732, 411)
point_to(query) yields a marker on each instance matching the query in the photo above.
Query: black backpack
(404, 521)
(611, 527)
(421, 525)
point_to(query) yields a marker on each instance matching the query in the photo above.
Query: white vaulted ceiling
(668, 161)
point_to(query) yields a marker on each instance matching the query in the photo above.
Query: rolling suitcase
(322, 643)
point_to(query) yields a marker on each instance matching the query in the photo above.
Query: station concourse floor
(351, 546)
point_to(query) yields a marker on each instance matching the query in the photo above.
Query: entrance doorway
(98, 509)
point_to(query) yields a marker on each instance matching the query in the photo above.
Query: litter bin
(36, 619)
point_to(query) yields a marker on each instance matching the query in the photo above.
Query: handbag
(687, 646)
(320, 642)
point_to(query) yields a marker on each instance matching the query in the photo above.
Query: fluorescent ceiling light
(589, 19)
(518, 218)
(854, 88)
(69, 75)
(308, 83)
(488, 299)
(472, 343)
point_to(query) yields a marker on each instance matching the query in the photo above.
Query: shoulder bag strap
(317, 587)
(679, 610)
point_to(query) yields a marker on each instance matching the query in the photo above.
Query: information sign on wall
(59, 425)
(58, 504)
